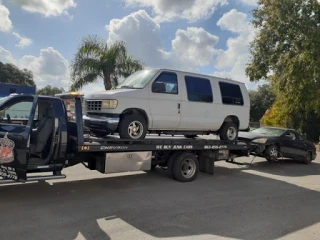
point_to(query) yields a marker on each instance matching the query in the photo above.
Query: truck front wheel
(132, 126)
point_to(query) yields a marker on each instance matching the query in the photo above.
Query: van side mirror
(158, 87)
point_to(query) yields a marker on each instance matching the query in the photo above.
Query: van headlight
(260, 140)
(109, 104)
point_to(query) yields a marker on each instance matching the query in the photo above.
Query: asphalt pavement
(257, 201)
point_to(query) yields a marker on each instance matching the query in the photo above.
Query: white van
(169, 102)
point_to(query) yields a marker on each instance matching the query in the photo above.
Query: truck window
(166, 82)
(231, 93)
(17, 111)
(198, 89)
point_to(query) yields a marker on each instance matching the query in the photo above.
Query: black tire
(185, 167)
(171, 159)
(307, 159)
(223, 133)
(191, 136)
(272, 153)
(125, 122)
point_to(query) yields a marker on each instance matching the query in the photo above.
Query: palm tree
(95, 59)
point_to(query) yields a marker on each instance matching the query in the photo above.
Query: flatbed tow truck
(47, 141)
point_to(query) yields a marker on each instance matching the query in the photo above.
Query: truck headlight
(260, 140)
(109, 104)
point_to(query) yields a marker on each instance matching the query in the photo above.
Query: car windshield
(269, 131)
(138, 79)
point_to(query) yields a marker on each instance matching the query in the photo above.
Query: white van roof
(200, 75)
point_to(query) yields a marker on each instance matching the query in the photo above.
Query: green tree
(50, 91)
(261, 100)
(9, 73)
(286, 53)
(95, 59)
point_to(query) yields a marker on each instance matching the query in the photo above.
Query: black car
(273, 143)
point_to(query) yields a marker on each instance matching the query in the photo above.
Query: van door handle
(179, 106)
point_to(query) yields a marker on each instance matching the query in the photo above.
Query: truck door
(16, 119)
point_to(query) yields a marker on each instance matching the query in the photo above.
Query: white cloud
(46, 7)
(234, 21)
(49, 68)
(250, 2)
(169, 10)
(141, 34)
(231, 63)
(23, 41)
(194, 46)
(5, 22)
(6, 56)
(191, 48)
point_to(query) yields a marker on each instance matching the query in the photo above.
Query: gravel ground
(257, 201)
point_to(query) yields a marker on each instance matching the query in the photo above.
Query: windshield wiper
(130, 87)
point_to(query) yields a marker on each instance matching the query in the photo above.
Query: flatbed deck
(154, 142)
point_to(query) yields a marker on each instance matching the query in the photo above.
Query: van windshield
(138, 80)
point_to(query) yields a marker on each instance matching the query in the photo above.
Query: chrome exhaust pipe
(34, 178)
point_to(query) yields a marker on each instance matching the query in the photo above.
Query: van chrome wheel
(232, 133)
(135, 129)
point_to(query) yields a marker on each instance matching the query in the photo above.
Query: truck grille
(93, 105)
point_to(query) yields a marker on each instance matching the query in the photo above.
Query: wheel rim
(308, 157)
(135, 129)
(188, 168)
(274, 152)
(232, 133)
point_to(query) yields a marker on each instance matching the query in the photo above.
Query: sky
(203, 36)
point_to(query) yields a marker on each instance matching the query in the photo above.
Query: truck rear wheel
(185, 167)
(133, 126)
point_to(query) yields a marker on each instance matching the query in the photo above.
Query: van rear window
(198, 89)
(231, 93)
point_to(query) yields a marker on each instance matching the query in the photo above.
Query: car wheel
(229, 132)
(308, 158)
(133, 126)
(271, 153)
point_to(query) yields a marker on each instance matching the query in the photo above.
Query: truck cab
(33, 135)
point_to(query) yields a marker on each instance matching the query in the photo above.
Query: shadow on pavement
(231, 204)
(286, 167)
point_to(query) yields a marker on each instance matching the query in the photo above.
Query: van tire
(224, 131)
(134, 121)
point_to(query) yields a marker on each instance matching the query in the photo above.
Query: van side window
(231, 93)
(166, 82)
(198, 89)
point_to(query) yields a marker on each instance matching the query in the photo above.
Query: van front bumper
(103, 124)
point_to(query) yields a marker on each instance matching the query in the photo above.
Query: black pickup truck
(37, 135)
